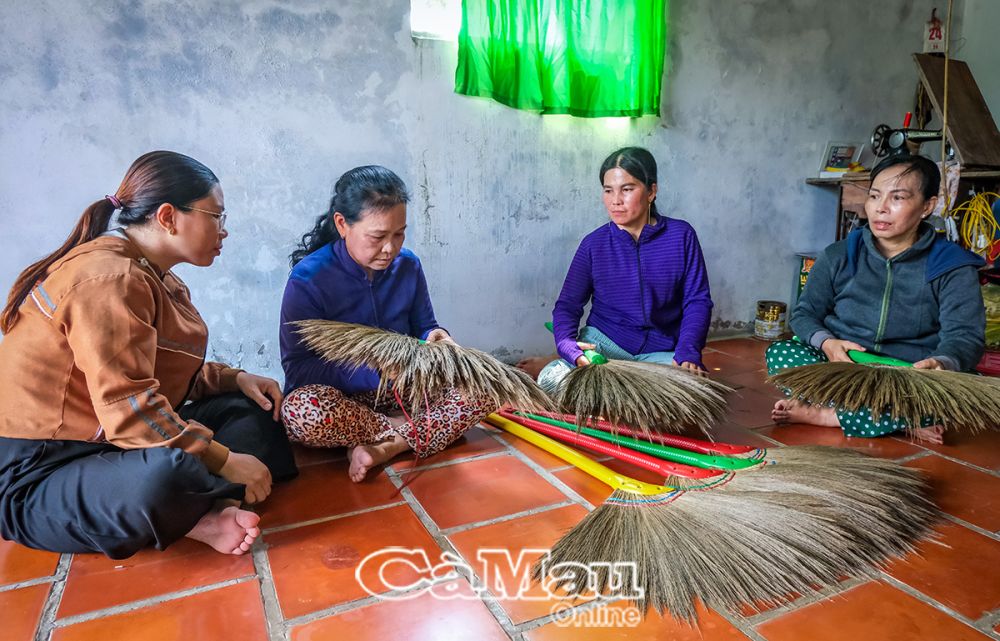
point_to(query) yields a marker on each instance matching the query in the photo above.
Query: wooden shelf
(862, 176)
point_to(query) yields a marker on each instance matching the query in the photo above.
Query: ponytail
(92, 224)
(323, 233)
(153, 179)
(362, 189)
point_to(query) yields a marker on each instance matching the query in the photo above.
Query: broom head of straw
(646, 396)
(953, 399)
(420, 370)
(730, 547)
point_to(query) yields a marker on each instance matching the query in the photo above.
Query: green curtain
(589, 58)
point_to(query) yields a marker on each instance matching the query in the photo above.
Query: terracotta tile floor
(490, 490)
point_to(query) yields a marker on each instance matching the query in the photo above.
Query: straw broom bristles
(731, 547)
(832, 472)
(647, 396)
(759, 535)
(420, 370)
(954, 399)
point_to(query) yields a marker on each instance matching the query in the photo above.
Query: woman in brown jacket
(115, 433)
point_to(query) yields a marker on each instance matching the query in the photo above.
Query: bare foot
(229, 530)
(789, 411)
(534, 364)
(365, 457)
(930, 434)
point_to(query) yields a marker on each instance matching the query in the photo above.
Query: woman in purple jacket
(352, 267)
(643, 274)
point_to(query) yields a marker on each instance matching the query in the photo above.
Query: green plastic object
(868, 358)
(704, 461)
(595, 358)
(586, 58)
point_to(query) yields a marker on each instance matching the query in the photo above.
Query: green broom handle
(705, 461)
(595, 357)
(673, 440)
(868, 358)
(645, 461)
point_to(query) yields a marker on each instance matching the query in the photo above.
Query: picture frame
(838, 156)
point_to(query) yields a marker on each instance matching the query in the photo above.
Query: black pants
(76, 496)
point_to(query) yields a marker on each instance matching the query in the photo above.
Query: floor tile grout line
(151, 601)
(916, 456)
(276, 628)
(971, 526)
(546, 474)
(927, 600)
(985, 470)
(449, 463)
(26, 584)
(491, 603)
(534, 624)
(363, 602)
(806, 600)
(740, 623)
(507, 517)
(332, 517)
(47, 620)
(988, 620)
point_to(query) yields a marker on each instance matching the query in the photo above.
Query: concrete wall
(281, 97)
(978, 46)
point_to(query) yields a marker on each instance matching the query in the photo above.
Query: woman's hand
(836, 350)
(583, 360)
(440, 335)
(259, 388)
(248, 470)
(929, 363)
(692, 367)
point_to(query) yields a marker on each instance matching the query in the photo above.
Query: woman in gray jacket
(895, 287)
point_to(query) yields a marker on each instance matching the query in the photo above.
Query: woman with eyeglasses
(115, 432)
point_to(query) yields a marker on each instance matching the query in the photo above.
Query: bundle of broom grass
(651, 397)
(419, 370)
(756, 537)
(648, 396)
(881, 384)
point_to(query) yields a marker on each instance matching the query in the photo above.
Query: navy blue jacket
(327, 284)
(923, 302)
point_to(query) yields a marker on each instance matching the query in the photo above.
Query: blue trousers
(555, 371)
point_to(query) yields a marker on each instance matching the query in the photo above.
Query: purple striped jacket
(649, 295)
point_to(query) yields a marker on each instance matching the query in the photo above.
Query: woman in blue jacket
(894, 287)
(352, 268)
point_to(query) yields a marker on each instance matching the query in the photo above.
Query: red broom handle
(672, 440)
(601, 447)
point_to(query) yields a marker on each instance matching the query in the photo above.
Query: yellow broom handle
(555, 448)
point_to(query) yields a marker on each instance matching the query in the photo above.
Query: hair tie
(114, 201)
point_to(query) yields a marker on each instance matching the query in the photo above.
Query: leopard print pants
(323, 416)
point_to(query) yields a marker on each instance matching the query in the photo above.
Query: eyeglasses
(220, 218)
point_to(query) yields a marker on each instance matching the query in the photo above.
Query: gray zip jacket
(924, 302)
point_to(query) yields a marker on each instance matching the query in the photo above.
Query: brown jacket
(104, 349)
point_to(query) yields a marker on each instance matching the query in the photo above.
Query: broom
(698, 476)
(887, 488)
(421, 369)
(725, 548)
(857, 462)
(649, 396)
(881, 384)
